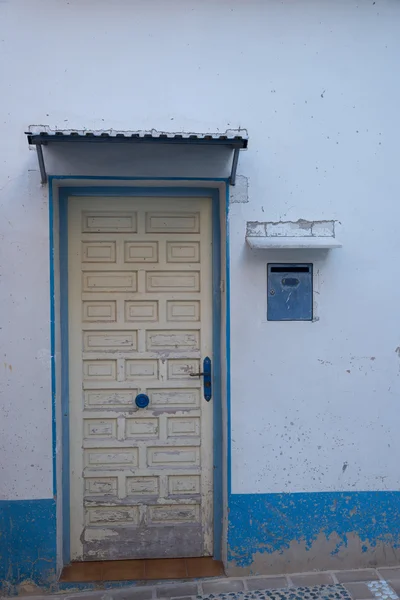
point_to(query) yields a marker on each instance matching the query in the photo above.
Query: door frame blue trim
(98, 190)
(64, 371)
(228, 348)
(52, 342)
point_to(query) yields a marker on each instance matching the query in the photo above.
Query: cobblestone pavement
(363, 584)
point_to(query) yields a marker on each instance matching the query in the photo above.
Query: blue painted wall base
(27, 543)
(271, 533)
(268, 533)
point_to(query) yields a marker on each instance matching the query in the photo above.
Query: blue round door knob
(142, 400)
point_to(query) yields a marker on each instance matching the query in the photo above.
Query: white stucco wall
(315, 85)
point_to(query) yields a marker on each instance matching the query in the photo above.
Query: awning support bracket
(42, 166)
(235, 160)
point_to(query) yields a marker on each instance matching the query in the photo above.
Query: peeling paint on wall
(298, 532)
(27, 543)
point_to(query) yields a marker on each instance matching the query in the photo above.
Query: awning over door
(234, 139)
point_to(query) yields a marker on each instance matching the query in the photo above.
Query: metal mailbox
(290, 292)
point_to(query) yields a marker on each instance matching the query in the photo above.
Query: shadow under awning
(232, 142)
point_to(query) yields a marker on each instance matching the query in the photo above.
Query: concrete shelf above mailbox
(291, 235)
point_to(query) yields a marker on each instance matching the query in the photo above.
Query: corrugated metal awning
(234, 139)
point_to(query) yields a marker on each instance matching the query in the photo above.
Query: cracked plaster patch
(300, 228)
(239, 193)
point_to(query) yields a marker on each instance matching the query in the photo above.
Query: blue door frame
(104, 190)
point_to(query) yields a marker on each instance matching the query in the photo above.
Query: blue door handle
(207, 380)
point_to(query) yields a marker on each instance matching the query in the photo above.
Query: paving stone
(309, 579)
(266, 583)
(359, 591)
(382, 590)
(357, 575)
(222, 586)
(389, 572)
(98, 595)
(329, 592)
(132, 593)
(176, 590)
(316, 592)
(42, 597)
(394, 584)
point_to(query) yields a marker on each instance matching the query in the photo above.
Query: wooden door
(140, 321)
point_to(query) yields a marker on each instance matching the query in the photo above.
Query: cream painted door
(140, 321)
